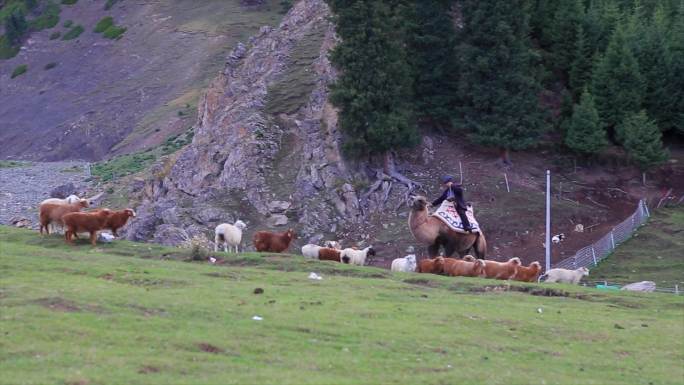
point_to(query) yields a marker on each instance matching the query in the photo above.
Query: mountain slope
(112, 96)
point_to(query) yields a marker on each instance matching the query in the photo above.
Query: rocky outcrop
(265, 148)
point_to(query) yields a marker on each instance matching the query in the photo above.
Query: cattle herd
(68, 213)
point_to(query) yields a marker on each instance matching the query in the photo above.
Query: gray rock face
(260, 153)
(63, 191)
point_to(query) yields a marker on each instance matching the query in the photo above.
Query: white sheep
(70, 199)
(565, 275)
(333, 245)
(356, 257)
(310, 251)
(229, 235)
(406, 264)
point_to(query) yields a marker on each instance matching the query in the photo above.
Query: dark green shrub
(109, 4)
(73, 33)
(48, 19)
(55, 35)
(7, 51)
(103, 24)
(19, 70)
(68, 23)
(50, 66)
(114, 32)
(69, 2)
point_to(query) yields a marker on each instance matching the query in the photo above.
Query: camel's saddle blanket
(447, 213)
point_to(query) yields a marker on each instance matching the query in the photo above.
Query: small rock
(212, 259)
(258, 290)
(315, 276)
(257, 318)
(539, 310)
(618, 326)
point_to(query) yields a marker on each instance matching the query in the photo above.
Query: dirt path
(23, 188)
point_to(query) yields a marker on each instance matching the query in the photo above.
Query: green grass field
(127, 313)
(655, 253)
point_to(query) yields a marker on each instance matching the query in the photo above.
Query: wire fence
(591, 255)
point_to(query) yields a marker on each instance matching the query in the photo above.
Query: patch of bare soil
(147, 369)
(209, 348)
(64, 305)
(422, 282)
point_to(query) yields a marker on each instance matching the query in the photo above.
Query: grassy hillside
(653, 254)
(133, 313)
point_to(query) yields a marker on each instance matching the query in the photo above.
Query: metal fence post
(676, 289)
(612, 239)
(648, 214)
(593, 254)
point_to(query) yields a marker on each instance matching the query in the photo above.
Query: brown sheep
(328, 254)
(117, 219)
(528, 273)
(457, 267)
(469, 258)
(90, 222)
(266, 241)
(54, 212)
(433, 266)
(501, 270)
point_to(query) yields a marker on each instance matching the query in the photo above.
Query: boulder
(645, 286)
(278, 206)
(277, 220)
(63, 191)
(20, 222)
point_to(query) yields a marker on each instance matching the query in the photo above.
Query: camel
(434, 233)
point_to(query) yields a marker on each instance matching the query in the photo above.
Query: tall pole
(548, 220)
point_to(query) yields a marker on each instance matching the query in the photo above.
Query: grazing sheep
(462, 268)
(52, 212)
(266, 241)
(70, 199)
(117, 219)
(501, 270)
(328, 254)
(356, 257)
(407, 264)
(91, 222)
(528, 273)
(431, 266)
(333, 245)
(558, 238)
(310, 250)
(229, 235)
(565, 275)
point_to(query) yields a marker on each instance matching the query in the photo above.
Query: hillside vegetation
(134, 313)
(653, 254)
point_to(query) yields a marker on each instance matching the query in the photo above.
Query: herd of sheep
(67, 213)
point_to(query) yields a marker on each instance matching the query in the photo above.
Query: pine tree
(15, 27)
(580, 69)
(643, 141)
(584, 132)
(655, 63)
(497, 83)
(374, 89)
(564, 33)
(431, 41)
(676, 83)
(617, 84)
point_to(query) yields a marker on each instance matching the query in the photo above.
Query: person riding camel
(454, 193)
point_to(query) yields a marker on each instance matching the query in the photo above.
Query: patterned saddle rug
(447, 213)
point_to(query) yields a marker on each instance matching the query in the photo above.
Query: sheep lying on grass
(528, 273)
(310, 250)
(564, 275)
(229, 235)
(501, 270)
(431, 266)
(407, 264)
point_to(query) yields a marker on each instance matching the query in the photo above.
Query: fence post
(593, 254)
(612, 239)
(676, 289)
(643, 202)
